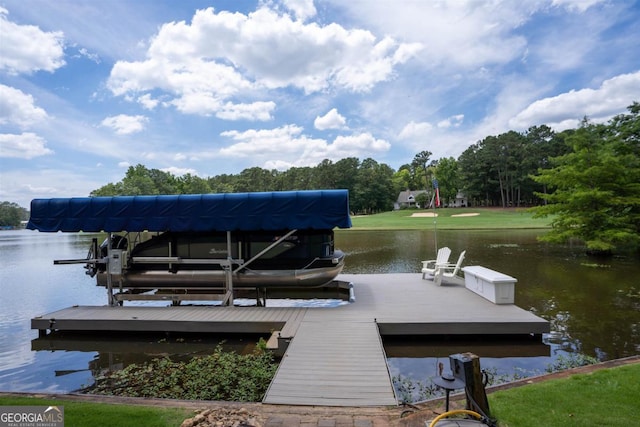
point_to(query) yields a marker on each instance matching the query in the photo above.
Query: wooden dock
(335, 356)
(331, 363)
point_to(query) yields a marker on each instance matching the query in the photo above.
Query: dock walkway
(335, 356)
(332, 364)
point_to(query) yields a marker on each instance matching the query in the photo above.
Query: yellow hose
(454, 412)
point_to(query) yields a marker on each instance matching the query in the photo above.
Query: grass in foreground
(607, 397)
(81, 414)
(451, 219)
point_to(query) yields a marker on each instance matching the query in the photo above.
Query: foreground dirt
(233, 414)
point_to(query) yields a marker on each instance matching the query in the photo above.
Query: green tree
(109, 189)
(374, 190)
(402, 179)
(191, 184)
(139, 180)
(475, 175)
(296, 178)
(419, 165)
(256, 179)
(595, 189)
(448, 180)
(324, 176)
(224, 183)
(11, 214)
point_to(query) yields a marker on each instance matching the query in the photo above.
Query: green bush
(219, 376)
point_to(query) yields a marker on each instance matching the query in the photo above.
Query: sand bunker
(467, 214)
(424, 214)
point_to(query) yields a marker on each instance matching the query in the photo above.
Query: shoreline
(401, 415)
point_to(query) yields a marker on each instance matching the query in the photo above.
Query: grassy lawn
(451, 219)
(85, 414)
(607, 397)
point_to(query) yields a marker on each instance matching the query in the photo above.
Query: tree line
(370, 183)
(496, 171)
(587, 179)
(11, 214)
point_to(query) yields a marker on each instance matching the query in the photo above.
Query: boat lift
(116, 262)
(227, 212)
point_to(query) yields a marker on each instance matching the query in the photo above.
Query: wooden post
(466, 366)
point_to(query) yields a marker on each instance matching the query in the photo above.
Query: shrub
(219, 376)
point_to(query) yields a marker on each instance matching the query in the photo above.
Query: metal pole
(108, 268)
(435, 227)
(435, 217)
(229, 270)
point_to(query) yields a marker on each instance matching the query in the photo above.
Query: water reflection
(593, 307)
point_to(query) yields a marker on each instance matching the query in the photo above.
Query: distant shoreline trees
(588, 179)
(11, 214)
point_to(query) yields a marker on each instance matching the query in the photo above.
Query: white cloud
(331, 120)
(413, 130)
(576, 5)
(459, 34)
(123, 124)
(24, 146)
(453, 121)
(356, 145)
(265, 141)
(26, 48)
(147, 102)
(176, 171)
(291, 147)
(124, 165)
(204, 65)
(567, 109)
(255, 111)
(23, 185)
(18, 108)
(303, 9)
(91, 56)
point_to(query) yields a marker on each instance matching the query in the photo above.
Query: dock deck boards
(335, 357)
(333, 364)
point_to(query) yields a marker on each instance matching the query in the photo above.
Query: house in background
(459, 202)
(407, 199)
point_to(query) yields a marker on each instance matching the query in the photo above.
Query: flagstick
(435, 228)
(434, 202)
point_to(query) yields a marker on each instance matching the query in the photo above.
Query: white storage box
(495, 286)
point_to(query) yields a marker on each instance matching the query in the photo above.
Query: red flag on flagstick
(435, 186)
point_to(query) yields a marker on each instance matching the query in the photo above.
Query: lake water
(593, 306)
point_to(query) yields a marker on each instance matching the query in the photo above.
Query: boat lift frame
(116, 261)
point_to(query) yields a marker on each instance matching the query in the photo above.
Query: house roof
(403, 197)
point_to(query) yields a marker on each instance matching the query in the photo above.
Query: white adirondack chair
(449, 272)
(442, 258)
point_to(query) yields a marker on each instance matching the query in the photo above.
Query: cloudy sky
(89, 88)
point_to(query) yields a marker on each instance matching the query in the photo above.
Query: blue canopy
(284, 210)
